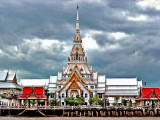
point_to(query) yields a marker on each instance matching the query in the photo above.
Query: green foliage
(117, 98)
(101, 102)
(130, 103)
(79, 101)
(25, 101)
(96, 100)
(41, 102)
(33, 102)
(69, 101)
(124, 102)
(53, 102)
(74, 101)
(90, 101)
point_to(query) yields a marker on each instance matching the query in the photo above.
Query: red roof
(147, 93)
(37, 91)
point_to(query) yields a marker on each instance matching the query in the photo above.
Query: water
(79, 118)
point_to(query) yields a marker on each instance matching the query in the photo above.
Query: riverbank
(79, 118)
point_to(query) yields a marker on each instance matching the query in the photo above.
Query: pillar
(19, 103)
(27, 103)
(46, 103)
(141, 103)
(144, 102)
(36, 103)
(149, 104)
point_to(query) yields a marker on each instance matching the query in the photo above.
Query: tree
(32, 102)
(74, 101)
(117, 98)
(130, 102)
(69, 101)
(41, 102)
(53, 102)
(79, 101)
(90, 101)
(101, 102)
(124, 102)
(95, 100)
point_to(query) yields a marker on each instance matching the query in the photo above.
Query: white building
(9, 89)
(77, 78)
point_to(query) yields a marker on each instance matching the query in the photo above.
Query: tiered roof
(38, 92)
(149, 93)
(8, 80)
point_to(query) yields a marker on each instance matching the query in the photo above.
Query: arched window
(76, 56)
(66, 94)
(86, 95)
(62, 95)
(77, 37)
(82, 94)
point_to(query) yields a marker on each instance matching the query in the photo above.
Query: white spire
(77, 22)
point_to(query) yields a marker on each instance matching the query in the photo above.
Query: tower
(77, 54)
(77, 76)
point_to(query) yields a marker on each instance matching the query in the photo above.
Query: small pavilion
(32, 93)
(148, 97)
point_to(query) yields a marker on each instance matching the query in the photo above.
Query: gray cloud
(137, 53)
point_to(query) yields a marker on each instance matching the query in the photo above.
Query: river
(79, 118)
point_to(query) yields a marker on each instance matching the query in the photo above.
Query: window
(86, 95)
(77, 37)
(62, 95)
(66, 94)
(100, 95)
(87, 86)
(92, 87)
(59, 87)
(76, 56)
(4, 91)
(62, 103)
(82, 75)
(82, 94)
(52, 95)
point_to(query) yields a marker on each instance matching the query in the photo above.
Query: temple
(78, 79)
(9, 88)
(148, 97)
(32, 93)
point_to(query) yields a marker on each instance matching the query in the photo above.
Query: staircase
(21, 112)
(41, 113)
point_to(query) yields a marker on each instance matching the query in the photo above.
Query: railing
(75, 107)
(10, 107)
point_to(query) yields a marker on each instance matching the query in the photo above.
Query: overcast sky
(121, 37)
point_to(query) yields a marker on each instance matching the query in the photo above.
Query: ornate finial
(77, 21)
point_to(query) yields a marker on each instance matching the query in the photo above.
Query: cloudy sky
(121, 37)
